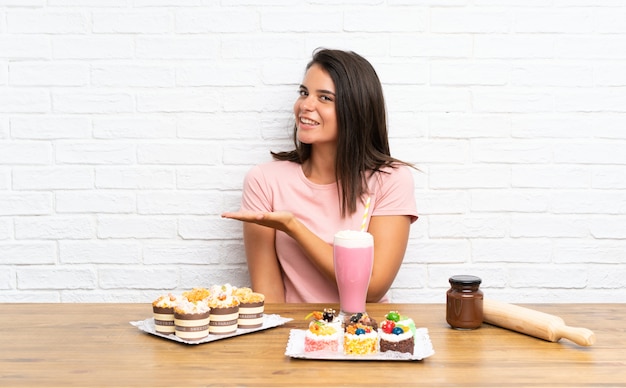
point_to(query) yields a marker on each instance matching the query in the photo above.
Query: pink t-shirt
(282, 185)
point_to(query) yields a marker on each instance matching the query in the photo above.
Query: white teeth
(308, 121)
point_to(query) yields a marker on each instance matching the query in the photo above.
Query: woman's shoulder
(274, 169)
(396, 171)
(391, 178)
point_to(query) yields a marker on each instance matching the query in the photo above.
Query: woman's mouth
(307, 121)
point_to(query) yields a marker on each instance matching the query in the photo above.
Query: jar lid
(467, 280)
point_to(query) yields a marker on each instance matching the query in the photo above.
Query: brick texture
(126, 128)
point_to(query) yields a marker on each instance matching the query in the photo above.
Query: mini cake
(324, 332)
(196, 294)
(358, 338)
(224, 310)
(163, 311)
(251, 306)
(396, 334)
(191, 319)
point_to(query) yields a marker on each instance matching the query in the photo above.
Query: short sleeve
(256, 192)
(395, 193)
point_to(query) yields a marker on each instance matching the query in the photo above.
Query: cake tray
(423, 348)
(269, 321)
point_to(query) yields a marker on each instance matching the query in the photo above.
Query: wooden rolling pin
(535, 323)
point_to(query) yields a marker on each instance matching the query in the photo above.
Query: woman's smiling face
(316, 118)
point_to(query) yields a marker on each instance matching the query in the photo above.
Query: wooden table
(94, 345)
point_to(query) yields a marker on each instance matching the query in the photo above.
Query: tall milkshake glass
(353, 259)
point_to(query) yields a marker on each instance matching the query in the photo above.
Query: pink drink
(354, 258)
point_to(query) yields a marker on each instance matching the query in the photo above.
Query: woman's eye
(303, 92)
(326, 98)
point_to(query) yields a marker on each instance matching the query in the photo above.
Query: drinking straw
(365, 212)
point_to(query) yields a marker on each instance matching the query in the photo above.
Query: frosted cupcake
(251, 307)
(224, 310)
(191, 319)
(163, 311)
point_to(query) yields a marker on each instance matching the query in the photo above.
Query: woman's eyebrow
(322, 91)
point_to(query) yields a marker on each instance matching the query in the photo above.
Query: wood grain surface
(95, 345)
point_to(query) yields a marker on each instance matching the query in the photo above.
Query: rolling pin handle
(579, 335)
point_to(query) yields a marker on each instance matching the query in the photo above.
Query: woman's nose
(307, 103)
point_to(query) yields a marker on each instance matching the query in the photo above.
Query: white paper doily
(423, 348)
(269, 321)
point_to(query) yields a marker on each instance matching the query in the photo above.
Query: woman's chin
(303, 137)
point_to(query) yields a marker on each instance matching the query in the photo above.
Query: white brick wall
(126, 128)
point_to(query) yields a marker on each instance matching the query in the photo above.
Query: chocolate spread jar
(464, 302)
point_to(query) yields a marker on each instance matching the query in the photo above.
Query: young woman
(293, 206)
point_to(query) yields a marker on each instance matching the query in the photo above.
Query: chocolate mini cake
(403, 343)
(397, 334)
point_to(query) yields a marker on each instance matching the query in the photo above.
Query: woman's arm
(317, 250)
(391, 236)
(265, 273)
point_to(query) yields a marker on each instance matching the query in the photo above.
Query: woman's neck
(320, 168)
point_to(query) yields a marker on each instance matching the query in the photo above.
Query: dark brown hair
(362, 144)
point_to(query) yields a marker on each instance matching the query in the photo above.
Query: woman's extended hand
(280, 220)
(316, 249)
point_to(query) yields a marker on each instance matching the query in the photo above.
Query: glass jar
(464, 302)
